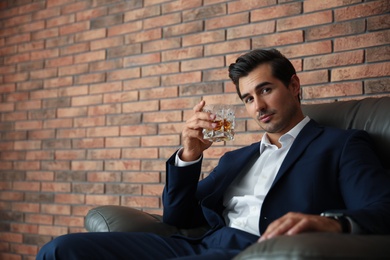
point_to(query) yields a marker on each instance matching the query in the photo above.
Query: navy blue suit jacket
(325, 169)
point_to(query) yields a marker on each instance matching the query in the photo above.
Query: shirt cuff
(181, 163)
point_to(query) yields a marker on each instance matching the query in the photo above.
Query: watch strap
(341, 218)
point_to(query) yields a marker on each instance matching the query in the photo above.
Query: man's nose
(259, 104)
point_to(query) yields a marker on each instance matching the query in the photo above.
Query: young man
(278, 186)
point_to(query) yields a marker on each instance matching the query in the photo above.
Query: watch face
(332, 214)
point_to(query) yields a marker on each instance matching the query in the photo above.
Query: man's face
(274, 107)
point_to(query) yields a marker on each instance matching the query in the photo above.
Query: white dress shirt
(244, 197)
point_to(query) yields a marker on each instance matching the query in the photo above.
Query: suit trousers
(223, 243)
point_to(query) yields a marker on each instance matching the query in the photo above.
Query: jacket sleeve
(181, 204)
(365, 185)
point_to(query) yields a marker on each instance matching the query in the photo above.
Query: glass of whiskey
(225, 120)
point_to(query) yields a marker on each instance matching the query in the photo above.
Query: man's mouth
(265, 118)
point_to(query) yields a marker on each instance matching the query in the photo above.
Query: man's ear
(295, 85)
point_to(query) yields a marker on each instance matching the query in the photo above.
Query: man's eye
(248, 100)
(265, 90)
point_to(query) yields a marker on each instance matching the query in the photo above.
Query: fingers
(290, 227)
(200, 120)
(279, 227)
(301, 226)
(199, 106)
(295, 223)
(193, 142)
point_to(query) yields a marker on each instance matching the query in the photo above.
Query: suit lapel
(229, 171)
(304, 138)
(245, 158)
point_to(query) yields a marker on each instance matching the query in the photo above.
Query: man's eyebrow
(260, 85)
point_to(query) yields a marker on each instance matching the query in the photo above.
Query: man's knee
(58, 248)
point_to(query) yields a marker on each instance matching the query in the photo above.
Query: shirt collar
(292, 133)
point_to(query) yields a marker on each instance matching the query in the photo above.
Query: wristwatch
(341, 218)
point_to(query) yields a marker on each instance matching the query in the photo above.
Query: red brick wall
(94, 93)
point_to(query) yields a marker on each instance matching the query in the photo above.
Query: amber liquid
(223, 131)
(222, 123)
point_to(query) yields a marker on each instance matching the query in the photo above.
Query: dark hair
(282, 68)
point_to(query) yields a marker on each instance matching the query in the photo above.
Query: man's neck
(275, 137)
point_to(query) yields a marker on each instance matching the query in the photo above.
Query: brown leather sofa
(370, 114)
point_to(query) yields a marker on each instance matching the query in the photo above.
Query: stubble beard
(275, 124)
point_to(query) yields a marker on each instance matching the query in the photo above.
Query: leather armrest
(124, 219)
(320, 246)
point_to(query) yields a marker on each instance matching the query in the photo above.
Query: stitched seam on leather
(105, 220)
